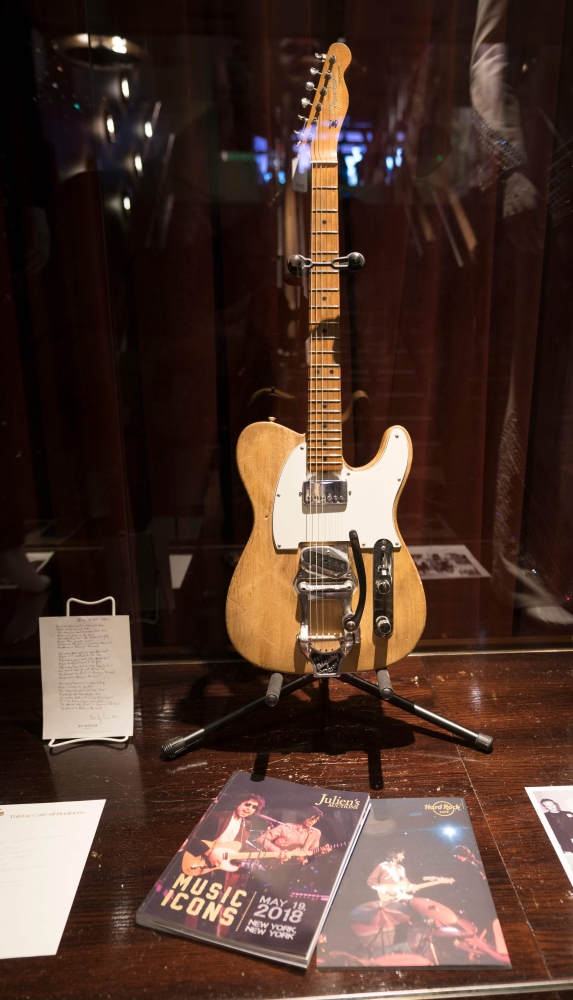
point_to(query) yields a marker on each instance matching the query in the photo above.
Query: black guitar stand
(277, 689)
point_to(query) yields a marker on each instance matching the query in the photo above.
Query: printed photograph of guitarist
(392, 884)
(305, 836)
(222, 826)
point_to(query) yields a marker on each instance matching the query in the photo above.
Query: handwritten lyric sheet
(87, 685)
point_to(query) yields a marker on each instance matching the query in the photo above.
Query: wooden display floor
(350, 742)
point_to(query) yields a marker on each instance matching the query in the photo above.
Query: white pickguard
(371, 498)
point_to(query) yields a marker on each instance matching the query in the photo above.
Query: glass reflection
(149, 210)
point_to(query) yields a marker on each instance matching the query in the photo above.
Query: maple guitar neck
(324, 435)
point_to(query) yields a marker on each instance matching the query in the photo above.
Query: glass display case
(148, 214)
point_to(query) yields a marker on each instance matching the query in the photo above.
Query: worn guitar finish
(295, 599)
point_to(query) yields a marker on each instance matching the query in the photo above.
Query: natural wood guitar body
(263, 617)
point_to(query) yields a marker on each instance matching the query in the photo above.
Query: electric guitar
(387, 891)
(226, 856)
(325, 535)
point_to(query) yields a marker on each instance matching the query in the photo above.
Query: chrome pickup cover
(324, 561)
(324, 492)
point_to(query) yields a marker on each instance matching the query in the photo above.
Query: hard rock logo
(443, 808)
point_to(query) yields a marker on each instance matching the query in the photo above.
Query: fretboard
(324, 436)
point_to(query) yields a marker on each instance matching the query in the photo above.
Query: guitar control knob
(383, 586)
(383, 624)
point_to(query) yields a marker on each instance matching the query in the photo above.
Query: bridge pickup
(383, 589)
(324, 493)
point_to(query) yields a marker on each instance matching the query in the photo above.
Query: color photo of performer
(305, 836)
(390, 924)
(432, 905)
(221, 827)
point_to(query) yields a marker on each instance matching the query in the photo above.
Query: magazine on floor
(414, 893)
(259, 871)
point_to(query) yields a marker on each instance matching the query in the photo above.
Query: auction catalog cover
(260, 869)
(415, 893)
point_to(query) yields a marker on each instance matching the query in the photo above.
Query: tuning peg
(320, 55)
(302, 118)
(314, 71)
(305, 102)
(318, 107)
(310, 86)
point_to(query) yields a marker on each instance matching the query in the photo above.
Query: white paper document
(43, 851)
(87, 681)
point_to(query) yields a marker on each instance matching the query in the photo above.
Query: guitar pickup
(323, 492)
(383, 588)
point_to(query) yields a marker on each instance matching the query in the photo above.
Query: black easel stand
(277, 690)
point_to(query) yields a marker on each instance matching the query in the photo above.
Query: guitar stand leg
(275, 690)
(385, 691)
(273, 694)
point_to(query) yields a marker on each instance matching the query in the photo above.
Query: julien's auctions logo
(443, 808)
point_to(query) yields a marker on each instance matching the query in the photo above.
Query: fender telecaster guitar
(324, 532)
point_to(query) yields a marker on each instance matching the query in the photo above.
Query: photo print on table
(414, 893)
(554, 806)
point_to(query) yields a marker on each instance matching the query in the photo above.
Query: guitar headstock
(327, 110)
